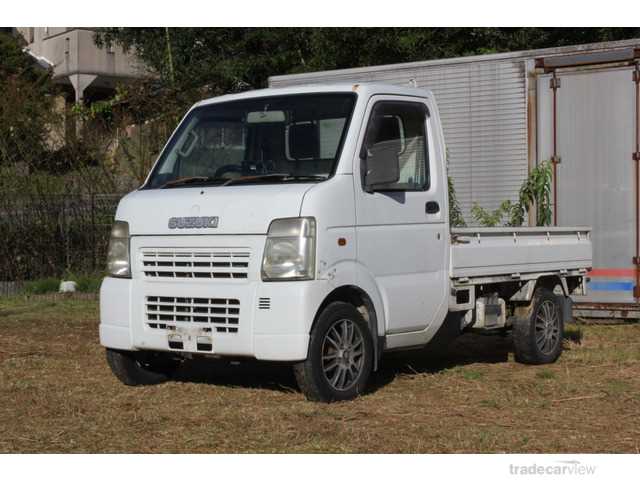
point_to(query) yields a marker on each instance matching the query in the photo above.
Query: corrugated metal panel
(595, 135)
(484, 116)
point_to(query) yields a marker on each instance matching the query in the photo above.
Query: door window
(401, 127)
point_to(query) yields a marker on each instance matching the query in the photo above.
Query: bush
(89, 283)
(86, 283)
(42, 286)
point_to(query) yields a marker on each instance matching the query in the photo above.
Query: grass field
(58, 395)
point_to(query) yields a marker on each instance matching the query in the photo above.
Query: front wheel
(340, 357)
(537, 337)
(140, 368)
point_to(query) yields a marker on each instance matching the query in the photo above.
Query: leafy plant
(100, 107)
(86, 283)
(535, 192)
(491, 219)
(455, 213)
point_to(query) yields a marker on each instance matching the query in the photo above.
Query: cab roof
(366, 89)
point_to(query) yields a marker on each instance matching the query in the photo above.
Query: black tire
(316, 377)
(537, 336)
(140, 368)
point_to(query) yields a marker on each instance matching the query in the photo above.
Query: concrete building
(89, 73)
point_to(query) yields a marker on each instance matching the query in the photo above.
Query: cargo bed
(481, 253)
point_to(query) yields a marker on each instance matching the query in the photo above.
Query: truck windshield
(261, 140)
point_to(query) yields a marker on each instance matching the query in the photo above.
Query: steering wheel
(230, 168)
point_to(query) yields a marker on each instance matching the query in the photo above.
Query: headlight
(289, 253)
(118, 264)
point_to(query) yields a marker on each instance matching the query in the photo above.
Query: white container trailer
(502, 114)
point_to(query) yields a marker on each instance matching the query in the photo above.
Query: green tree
(26, 106)
(223, 59)
(232, 59)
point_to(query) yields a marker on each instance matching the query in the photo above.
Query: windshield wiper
(187, 180)
(197, 179)
(307, 177)
(272, 176)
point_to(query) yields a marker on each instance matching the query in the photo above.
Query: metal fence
(10, 288)
(48, 235)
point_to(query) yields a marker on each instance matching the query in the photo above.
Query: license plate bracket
(191, 339)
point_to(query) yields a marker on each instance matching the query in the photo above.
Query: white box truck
(309, 225)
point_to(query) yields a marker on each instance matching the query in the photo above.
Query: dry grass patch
(59, 396)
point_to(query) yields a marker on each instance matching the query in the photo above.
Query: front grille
(222, 263)
(220, 315)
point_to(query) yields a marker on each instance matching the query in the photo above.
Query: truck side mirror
(381, 164)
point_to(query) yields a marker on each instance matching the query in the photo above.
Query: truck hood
(241, 209)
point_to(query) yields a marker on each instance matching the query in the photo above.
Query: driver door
(400, 226)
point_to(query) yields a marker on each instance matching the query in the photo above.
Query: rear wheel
(340, 357)
(140, 368)
(537, 337)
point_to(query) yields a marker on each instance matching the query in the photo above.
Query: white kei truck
(310, 226)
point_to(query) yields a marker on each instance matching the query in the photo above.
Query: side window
(401, 128)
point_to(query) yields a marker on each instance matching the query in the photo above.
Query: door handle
(432, 207)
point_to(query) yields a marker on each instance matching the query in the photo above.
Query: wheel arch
(523, 300)
(364, 303)
(523, 293)
(551, 282)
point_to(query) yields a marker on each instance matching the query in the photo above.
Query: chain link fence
(48, 235)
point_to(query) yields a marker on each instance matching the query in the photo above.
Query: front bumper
(273, 323)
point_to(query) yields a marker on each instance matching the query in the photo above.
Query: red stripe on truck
(612, 272)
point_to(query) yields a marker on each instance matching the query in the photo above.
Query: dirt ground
(58, 395)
